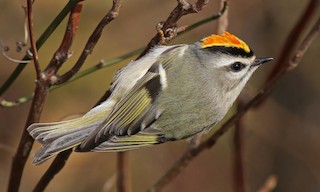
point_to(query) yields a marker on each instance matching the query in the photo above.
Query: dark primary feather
(129, 113)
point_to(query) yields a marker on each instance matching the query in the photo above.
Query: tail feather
(60, 136)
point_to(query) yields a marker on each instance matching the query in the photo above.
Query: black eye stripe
(237, 66)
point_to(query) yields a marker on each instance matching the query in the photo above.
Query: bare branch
(61, 158)
(292, 40)
(63, 52)
(183, 8)
(293, 63)
(123, 172)
(32, 39)
(40, 95)
(238, 172)
(92, 41)
(188, 156)
(56, 166)
(223, 21)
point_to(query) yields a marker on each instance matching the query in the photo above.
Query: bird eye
(237, 66)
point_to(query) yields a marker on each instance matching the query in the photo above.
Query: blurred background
(280, 138)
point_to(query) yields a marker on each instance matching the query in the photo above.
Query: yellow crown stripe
(224, 40)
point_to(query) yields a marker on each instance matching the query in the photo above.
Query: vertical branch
(56, 62)
(223, 21)
(40, 95)
(238, 176)
(123, 172)
(32, 39)
(238, 172)
(26, 140)
(61, 158)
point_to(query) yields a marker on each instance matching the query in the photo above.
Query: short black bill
(259, 61)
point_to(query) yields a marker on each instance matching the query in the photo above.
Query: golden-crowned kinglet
(172, 93)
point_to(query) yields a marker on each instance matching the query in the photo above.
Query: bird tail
(60, 136)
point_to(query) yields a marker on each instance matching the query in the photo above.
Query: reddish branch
(40, 95)
(188, 156)
(61, 55)
(92, 41)
(61, 158)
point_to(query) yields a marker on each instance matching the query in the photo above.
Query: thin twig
(293, 63)
(183, 8)
(32, 40)
(92, 41)
(60, 56)
(56, 166)
(104, 64)
(61, 158)
(292, 40)
(63, 52)
(42, 39)
(188, 156)
(223, 21)
(26, 141)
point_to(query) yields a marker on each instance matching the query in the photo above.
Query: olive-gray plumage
(172, 93)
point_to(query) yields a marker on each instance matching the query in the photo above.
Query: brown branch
(92, 41)
(188, 156)
(183, 8)
(63, 52)
(223, 21)
(292, 40)
(26, 141)
(123, 172)
(293, 63)
(238, 173)
(32, 40)
(54, 168)
(60, 56)
(61, 158)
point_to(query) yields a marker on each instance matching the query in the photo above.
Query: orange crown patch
(225, 40)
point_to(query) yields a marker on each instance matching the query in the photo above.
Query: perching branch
(188, 156)
(183, 8)
(104, 64)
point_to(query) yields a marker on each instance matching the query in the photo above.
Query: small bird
(171, 93)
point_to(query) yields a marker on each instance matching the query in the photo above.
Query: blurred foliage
(281, 137)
